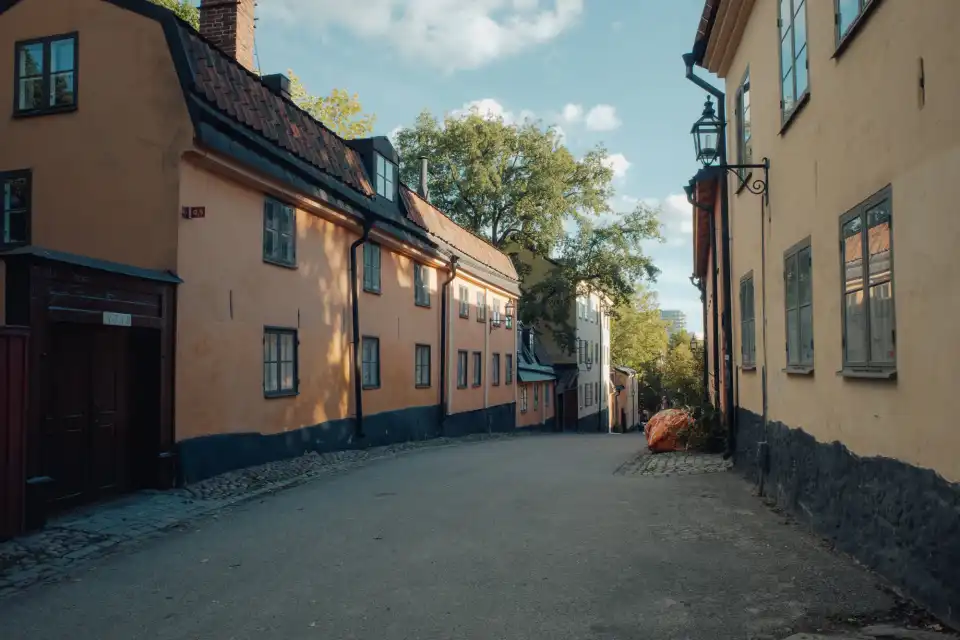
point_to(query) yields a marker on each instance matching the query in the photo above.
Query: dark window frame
(508, 369)
(748, 357)
(9, 176)
(870, 368)
(464, 301)
(495, 370)
(276, 258)
(45, 75)
(364, 362)
(271, 332)
(463, 360)
(477, 369)
(787, 113)
(369, 269)
(842, 39)
(798, 364)
(421, 285)
(419, 367)
(536, 396)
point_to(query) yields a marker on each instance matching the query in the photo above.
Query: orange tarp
(663, 429)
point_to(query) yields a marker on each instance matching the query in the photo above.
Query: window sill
(461, 386)
(423, 305)
(798, 371)
(375, 292)
(476, 386)
(868, 374)
(797, 108)
(422, 386)
(482, 320)
(280, 263)
(495, 384)
(369, 387)
(280, 394)
(465, 316)
(748, 367)
(855, 28)
(44, 112)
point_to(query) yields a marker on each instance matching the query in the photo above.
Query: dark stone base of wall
(594, 423)
(550, 424)
(499, 419)
(209, 456)
(900, 520)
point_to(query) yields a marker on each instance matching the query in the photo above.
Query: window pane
(790, 281)
(287, 242)
(800, 25)
(286, 376)
(31, 94)
(786, 53)
(853, 254)
(381, 188)
(793, 337)
(15, 193)
(848, 10)
(270, 215)
(380, 166)
(15, 227)
(806, 334)
(286, 219)
(878, 242)
(31, 60)
(786, 11)
(61, 89)
(269, 243)
(855, 321)
(286, 347)
(882, 348)
(805, 276)
(800, 69)
(270, 348)
(789, 97)
(269, 377)
(61, 55)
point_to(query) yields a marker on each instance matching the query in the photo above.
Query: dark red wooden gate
(14, 343)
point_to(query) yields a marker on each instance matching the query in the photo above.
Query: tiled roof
(237, 92)
(435, 222)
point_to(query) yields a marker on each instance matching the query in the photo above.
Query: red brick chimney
(229, 24)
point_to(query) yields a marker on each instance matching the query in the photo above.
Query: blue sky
(603, 70)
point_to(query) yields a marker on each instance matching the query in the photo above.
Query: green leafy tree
(186, 9)
(511, 184)
(682, 374)
(340, 111)
(638, 337)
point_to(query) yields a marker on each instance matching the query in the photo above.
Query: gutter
(355, 303)
(444, 319)
(728, 413)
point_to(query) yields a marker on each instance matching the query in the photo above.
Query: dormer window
(386, 177)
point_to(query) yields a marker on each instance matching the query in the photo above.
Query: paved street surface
(512, 539)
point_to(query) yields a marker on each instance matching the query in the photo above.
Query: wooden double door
(85, 417)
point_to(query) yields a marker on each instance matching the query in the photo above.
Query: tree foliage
(340, 111)
(511, 184)
(186, 9)
(638, 337)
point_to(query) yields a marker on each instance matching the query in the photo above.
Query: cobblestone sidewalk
(92, 532)
(675, 463)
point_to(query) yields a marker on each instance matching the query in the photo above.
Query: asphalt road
(517, 539)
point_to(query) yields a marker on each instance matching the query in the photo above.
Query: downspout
(688, 60)
(444, 319)
(714, 277)
(355, 303)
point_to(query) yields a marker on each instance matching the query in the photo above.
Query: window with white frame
(464, 301)
(481, 306)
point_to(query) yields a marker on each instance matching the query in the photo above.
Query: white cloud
(445, 34)
(619, 163)
(572, 113)
(490, 108)
(392, 135)
(677, 220)
(602, 117)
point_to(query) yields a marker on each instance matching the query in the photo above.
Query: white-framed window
(464, 301)
(386, 178)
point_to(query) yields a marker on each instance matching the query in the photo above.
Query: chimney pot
(423, 190)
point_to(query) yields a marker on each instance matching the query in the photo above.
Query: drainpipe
(688, 60)
(357, 367)
(444, 319)
(711, 212)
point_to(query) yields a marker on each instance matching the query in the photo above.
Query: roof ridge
(475, 235)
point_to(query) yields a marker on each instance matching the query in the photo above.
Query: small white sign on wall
(116, 319)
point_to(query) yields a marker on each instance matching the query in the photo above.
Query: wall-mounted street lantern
(495, 321)
(708, 140)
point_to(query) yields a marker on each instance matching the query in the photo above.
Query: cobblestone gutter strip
(93, 532)
(675, 463)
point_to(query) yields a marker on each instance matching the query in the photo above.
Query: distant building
(677, 320)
